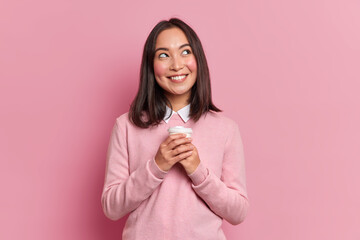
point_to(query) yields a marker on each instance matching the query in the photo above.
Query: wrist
(199, 175)
(156, 170)
(192, 169)
(160, 164)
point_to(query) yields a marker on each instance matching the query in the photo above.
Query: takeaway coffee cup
(180, 129)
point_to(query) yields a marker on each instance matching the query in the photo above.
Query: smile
(178, 78)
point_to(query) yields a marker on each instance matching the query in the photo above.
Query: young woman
(174, 187)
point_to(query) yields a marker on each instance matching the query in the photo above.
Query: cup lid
(179, 129)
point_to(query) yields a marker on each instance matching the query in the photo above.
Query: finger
(177, 142)
(182, 148)
(182, 156)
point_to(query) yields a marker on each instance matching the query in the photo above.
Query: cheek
(191, 64)
(159, 69)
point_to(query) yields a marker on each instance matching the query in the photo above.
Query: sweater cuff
(199, 175)
(155, 170)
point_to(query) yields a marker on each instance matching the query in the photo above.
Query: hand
(175, 148)
(191, 162)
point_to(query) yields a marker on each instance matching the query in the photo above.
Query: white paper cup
(180, 129)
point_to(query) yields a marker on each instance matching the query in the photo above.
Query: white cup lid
(179, 129)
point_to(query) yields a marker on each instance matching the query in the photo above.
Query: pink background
(286, 71)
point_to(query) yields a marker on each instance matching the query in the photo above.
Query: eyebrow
(166, 49)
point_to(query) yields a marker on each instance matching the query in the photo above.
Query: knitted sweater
(173, 205)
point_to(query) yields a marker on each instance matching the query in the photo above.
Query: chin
(182, 93)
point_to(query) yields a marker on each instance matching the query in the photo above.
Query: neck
(178, 102)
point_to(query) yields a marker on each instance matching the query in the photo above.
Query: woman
(174, 187)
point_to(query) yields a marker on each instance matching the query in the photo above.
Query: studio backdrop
(286, 71)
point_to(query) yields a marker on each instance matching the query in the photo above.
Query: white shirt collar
(183, 113)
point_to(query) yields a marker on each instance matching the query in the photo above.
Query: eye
(163, 55)
(186, 52)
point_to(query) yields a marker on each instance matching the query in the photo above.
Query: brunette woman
(175, 187)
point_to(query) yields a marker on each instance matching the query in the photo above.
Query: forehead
(171, 38)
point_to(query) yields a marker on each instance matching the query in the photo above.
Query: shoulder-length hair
(150, 98)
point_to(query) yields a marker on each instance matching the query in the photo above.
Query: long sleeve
(225, 196)
(124, 192)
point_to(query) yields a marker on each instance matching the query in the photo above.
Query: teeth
(178, 77)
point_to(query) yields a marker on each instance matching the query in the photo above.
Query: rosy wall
(286, 71)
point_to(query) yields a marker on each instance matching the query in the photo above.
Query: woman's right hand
(175, 148)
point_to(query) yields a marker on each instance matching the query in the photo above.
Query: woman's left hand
(192, 162)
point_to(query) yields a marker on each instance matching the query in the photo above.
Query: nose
(177, 63)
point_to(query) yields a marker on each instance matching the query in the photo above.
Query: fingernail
(190, 138)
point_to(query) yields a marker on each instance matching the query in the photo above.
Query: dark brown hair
(150, 98)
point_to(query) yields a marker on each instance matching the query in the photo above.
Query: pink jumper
(173, 205)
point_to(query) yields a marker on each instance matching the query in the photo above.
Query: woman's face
(174, 64)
